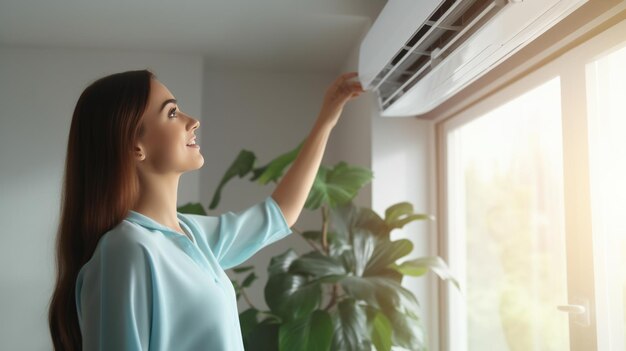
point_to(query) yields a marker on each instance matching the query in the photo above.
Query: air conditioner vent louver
(447, 28)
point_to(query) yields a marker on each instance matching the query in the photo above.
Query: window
(506, 220)
(533, 196)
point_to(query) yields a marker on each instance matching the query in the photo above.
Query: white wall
(268, 113)
(403, 166)
(38, 91)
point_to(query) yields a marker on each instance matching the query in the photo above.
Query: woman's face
(163, 148)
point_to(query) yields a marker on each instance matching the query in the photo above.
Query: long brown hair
(100, 185)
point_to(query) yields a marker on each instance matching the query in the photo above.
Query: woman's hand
(336, 97)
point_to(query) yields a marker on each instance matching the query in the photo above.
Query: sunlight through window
(506, 226)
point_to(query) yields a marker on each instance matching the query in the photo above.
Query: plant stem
(311, 244)
(325, 229)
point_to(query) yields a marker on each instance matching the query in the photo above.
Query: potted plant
(353, 259)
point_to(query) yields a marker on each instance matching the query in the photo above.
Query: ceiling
(285, 35)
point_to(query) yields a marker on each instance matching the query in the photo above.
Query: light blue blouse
(148, 287)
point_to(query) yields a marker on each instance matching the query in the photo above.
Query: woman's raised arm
(293, 189)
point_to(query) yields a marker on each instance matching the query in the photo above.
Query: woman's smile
(193, 144)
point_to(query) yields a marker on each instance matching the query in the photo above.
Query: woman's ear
(140, 155)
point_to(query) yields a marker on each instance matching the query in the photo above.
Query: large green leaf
(370, 220)
(338, 247)
(368, 233)
(274, 169)
(342, 219)
(381, 332)
(385, 253)
(264, 337)
(192, 208)
(348, 217)
(348, 260)
(420, 266)
(337, 186)
(400, 214)
(408, 268)
(292, 296)
(361, 288)
(318, 195)
(407, 330)
(363, 246)
(281, 263)
(248, 321)
(240, 167)
(350, 327)
(329, 279)
(379, 292)
(317, 265)
(392, 274)
(312, 332)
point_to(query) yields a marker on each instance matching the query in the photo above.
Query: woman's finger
(357, 87)
(350, 88)
(347, 76)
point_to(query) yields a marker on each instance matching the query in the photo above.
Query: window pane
(607, 126)
(506, 226)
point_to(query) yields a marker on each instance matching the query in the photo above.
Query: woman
(132, 272)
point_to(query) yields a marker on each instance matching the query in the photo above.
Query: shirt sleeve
(234, 237)
(114, 297)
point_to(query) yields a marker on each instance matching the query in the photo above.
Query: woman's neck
(157, 200)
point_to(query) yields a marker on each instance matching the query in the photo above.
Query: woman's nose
(194, 123)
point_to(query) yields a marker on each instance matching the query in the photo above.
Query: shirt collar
(150, 223)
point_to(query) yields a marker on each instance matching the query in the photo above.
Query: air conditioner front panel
(514, 26)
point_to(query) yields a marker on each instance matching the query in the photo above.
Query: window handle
(573, 309)
(578, 310)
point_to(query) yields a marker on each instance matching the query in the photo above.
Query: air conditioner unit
(418, 53)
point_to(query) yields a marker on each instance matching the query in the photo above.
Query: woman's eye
(172, 111)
